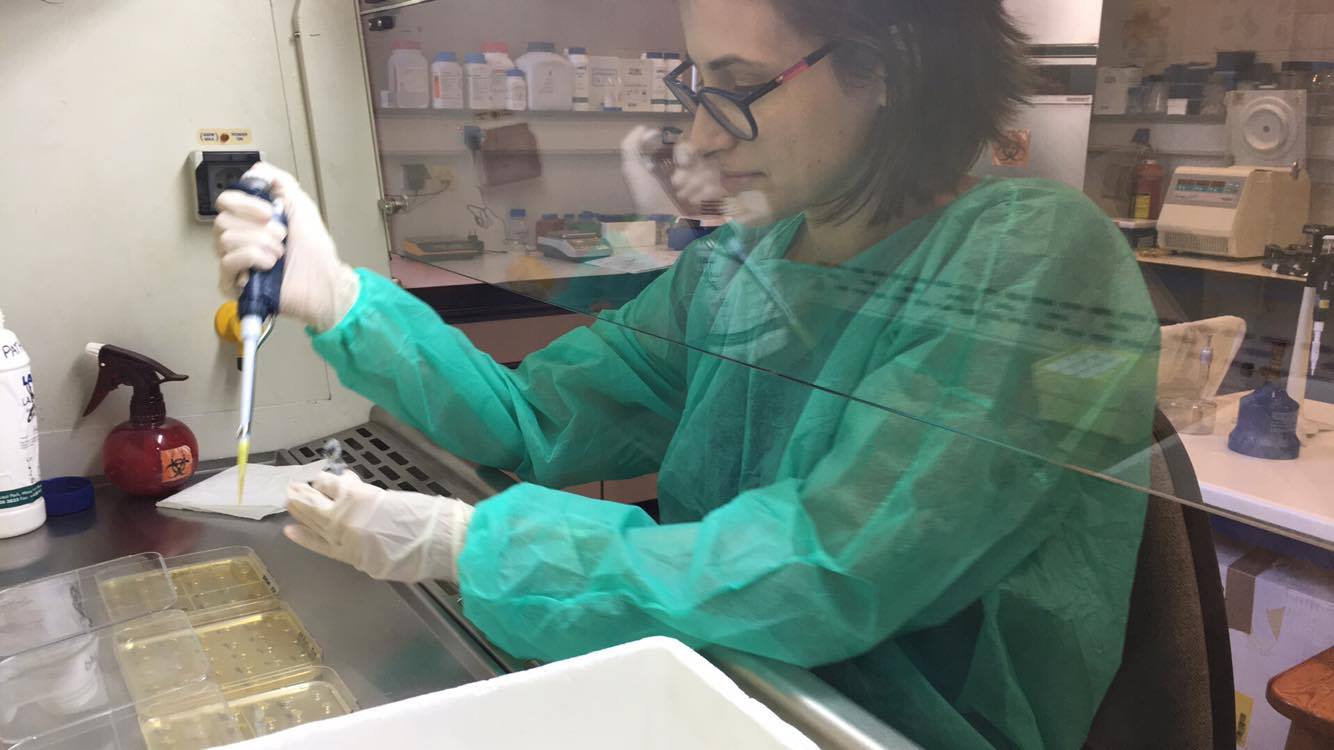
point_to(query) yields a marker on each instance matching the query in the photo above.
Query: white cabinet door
(1058, 21)
(1058, 145)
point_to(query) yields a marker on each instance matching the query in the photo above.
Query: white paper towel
(265, 491)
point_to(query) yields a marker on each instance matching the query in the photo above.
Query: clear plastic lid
(252, 640)
(88, 674)
(218, 577)
(189, 718)
(202, 580)
(49, 609)
(287, 699)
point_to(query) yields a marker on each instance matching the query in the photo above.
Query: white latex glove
(318, 288)
(695, 179)
(389, 535)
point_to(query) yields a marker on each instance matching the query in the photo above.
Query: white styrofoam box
(627, 235)
(1280, 613)
(653, 693)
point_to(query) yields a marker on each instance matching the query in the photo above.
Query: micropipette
(257, 305)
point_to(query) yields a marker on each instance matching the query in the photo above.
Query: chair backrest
(1174, 687)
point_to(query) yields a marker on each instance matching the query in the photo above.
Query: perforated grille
(381, 457)
(1193, 243)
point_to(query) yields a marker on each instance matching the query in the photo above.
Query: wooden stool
(1305, 694)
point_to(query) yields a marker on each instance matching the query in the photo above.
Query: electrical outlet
(442, 175)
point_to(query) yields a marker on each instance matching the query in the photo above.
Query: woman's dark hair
(955, 72)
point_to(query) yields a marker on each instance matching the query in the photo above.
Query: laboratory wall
(579, 152)
(1156, 33)
(99, 241)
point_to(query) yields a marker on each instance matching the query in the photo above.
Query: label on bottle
(20, 475)
(178, 464)
(1143, 202)
(20, 496)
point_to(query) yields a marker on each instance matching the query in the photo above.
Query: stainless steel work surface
(386, 640)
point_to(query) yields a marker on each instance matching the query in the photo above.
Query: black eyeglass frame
(692, 100)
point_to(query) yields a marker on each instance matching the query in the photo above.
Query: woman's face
(812, 130)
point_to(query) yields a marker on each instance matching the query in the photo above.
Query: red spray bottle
(151, 454)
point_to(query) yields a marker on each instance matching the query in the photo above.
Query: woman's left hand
(389, 535)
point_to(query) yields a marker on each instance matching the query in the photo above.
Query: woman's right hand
(317, 288)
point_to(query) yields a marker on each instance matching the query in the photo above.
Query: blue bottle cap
(576, 50)
(541, 47)
(655, 55)
(514, 73)
(518, 213)
(66, 495)
(550, 216)
(474, 57)
(447, 57)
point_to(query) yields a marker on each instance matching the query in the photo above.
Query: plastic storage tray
(549, 707)
(252, 640)
(191, 718)
(86, 675)
(44, 611)
(202, 580)
(288, 699)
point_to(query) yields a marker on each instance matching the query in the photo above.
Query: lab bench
(388, 641)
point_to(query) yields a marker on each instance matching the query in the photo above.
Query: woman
(862, 414)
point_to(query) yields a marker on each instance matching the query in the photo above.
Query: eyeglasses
(729, 108)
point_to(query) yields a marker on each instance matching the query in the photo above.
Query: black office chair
(1174, 688)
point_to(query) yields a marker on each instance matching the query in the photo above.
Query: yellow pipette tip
(242, 458)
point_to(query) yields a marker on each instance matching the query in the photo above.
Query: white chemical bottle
(477, 72)
(672, 61)
(498, 57)
(516, 232)
(657, 87)
(446, 82)
(578, 57)
(409, 77)
(635, 83)
(604, 82)
(550, 77)
(516, 91)
(22, 508)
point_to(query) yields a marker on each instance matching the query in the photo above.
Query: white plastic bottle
(578, 57)
(498, 57)
(604, 82)
(635, 82)
(550, 77)
(446, 82)
(657, 88)
(516, 231)
(478, 84)
(672, 61)
(22, 507)
(516, 91)
(409, 76)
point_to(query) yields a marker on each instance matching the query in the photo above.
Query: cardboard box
(1280, 613)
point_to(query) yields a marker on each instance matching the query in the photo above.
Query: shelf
(433, 153)
(371, 10)
(1312, 120)
(1245, 267)
(501, 116)
(1157, 119)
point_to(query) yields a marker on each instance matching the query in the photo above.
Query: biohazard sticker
(177, 464)
(1012, 149)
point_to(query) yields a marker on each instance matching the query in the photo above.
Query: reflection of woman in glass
(859, 403)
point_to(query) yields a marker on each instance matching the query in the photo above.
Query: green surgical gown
(864, 468)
